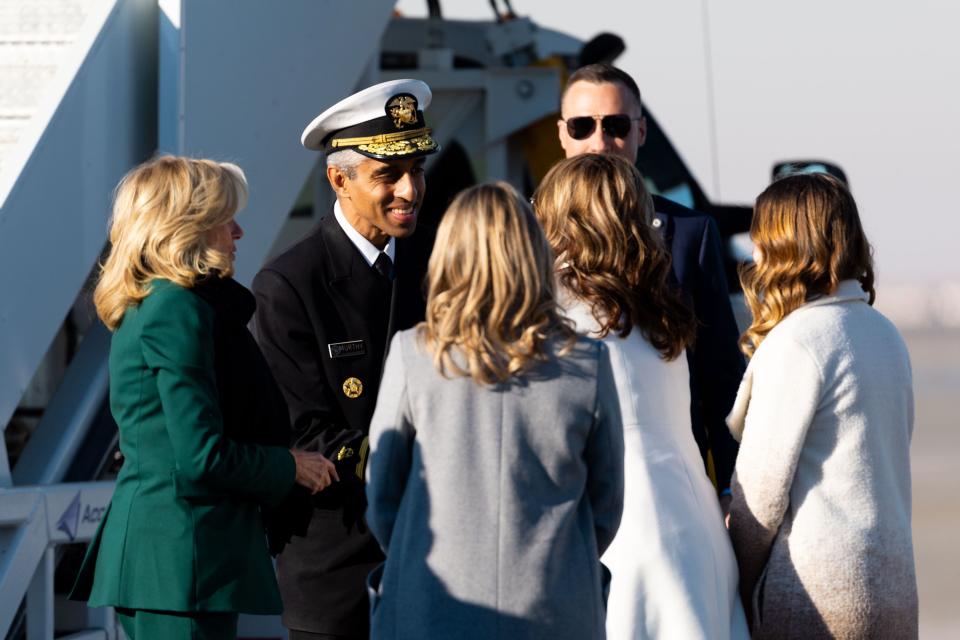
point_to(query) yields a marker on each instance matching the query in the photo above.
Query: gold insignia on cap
(345, 452)
(401, 147)
(352, 388)
(403, 109)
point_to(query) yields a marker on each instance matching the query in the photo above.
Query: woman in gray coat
(495, 479)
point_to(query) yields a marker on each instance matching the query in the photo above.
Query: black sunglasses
(582, 127)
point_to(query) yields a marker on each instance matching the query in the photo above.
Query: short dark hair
(600, 73)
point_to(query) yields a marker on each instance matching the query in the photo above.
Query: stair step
(36, 36)
(38, 20)
(9, 135)
(25, 72)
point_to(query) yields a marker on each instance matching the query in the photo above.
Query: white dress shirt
(364, 246)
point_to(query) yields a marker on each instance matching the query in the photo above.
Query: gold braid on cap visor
(391, 144)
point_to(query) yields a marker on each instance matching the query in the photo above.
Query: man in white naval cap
(326, 310)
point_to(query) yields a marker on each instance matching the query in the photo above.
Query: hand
(725, 501)
(314, 471)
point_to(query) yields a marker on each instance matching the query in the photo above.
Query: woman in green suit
(181, 550)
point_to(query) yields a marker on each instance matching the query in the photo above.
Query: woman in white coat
(820, 517)
(674, 572)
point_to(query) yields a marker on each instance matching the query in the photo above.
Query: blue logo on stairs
(70, 520)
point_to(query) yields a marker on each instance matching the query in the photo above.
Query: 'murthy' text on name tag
(345, 349)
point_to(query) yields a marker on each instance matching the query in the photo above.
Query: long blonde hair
(491, 293)
(808, 231)
(162, 212)
(597, 214)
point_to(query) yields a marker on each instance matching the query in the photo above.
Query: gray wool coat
(493, 503)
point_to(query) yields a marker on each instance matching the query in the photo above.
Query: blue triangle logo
(70, 520)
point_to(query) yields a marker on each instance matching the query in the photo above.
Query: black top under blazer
(319, 294)
(251, 403)
(716, 364)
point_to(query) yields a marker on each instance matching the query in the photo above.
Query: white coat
(674, 572)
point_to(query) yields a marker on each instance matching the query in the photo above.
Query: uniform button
(352, 388)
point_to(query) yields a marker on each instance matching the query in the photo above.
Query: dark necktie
(384, 266)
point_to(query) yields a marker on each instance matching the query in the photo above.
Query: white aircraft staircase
(88, 89)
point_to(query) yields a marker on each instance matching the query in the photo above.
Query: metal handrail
(36, 520)
(60, 433)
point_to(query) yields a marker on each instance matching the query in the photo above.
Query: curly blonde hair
(596, 212)
(162, 212)
(809, 236)
(491, 294)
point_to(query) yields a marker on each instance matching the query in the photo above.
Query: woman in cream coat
(820, 517)
(674, 572)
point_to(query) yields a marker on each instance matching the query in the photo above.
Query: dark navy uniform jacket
(716, 364)
(324, 320)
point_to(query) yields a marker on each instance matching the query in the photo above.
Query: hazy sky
(872, 86)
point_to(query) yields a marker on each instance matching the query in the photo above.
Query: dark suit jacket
(318, 294)
(716, 364)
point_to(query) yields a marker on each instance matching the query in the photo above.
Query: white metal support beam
(40, 623)
(6, 479)
(247, 97)
(33, 521)
(55, 186)
(21, 548)
(51, 448)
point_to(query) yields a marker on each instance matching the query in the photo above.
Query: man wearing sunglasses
(601, 113)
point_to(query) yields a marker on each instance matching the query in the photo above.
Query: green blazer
(183, 531)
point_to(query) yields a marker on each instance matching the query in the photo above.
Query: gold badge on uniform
(352, 388)
(345, 452)
(403, 109)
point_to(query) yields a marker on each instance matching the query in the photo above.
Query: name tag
(345, 349)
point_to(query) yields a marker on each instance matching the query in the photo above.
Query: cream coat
(821, 494)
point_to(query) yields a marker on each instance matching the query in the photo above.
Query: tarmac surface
(935, 459)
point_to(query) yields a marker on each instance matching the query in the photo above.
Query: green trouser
(139, 624)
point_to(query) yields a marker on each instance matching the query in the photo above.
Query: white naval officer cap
(384, 121)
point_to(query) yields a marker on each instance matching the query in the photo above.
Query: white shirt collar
(364, 246)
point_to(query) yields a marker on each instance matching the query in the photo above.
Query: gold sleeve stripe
(364, 448)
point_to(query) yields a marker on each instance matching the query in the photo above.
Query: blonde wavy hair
(491, 294)
(162, 212)
(597, 213)
(808, 231)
